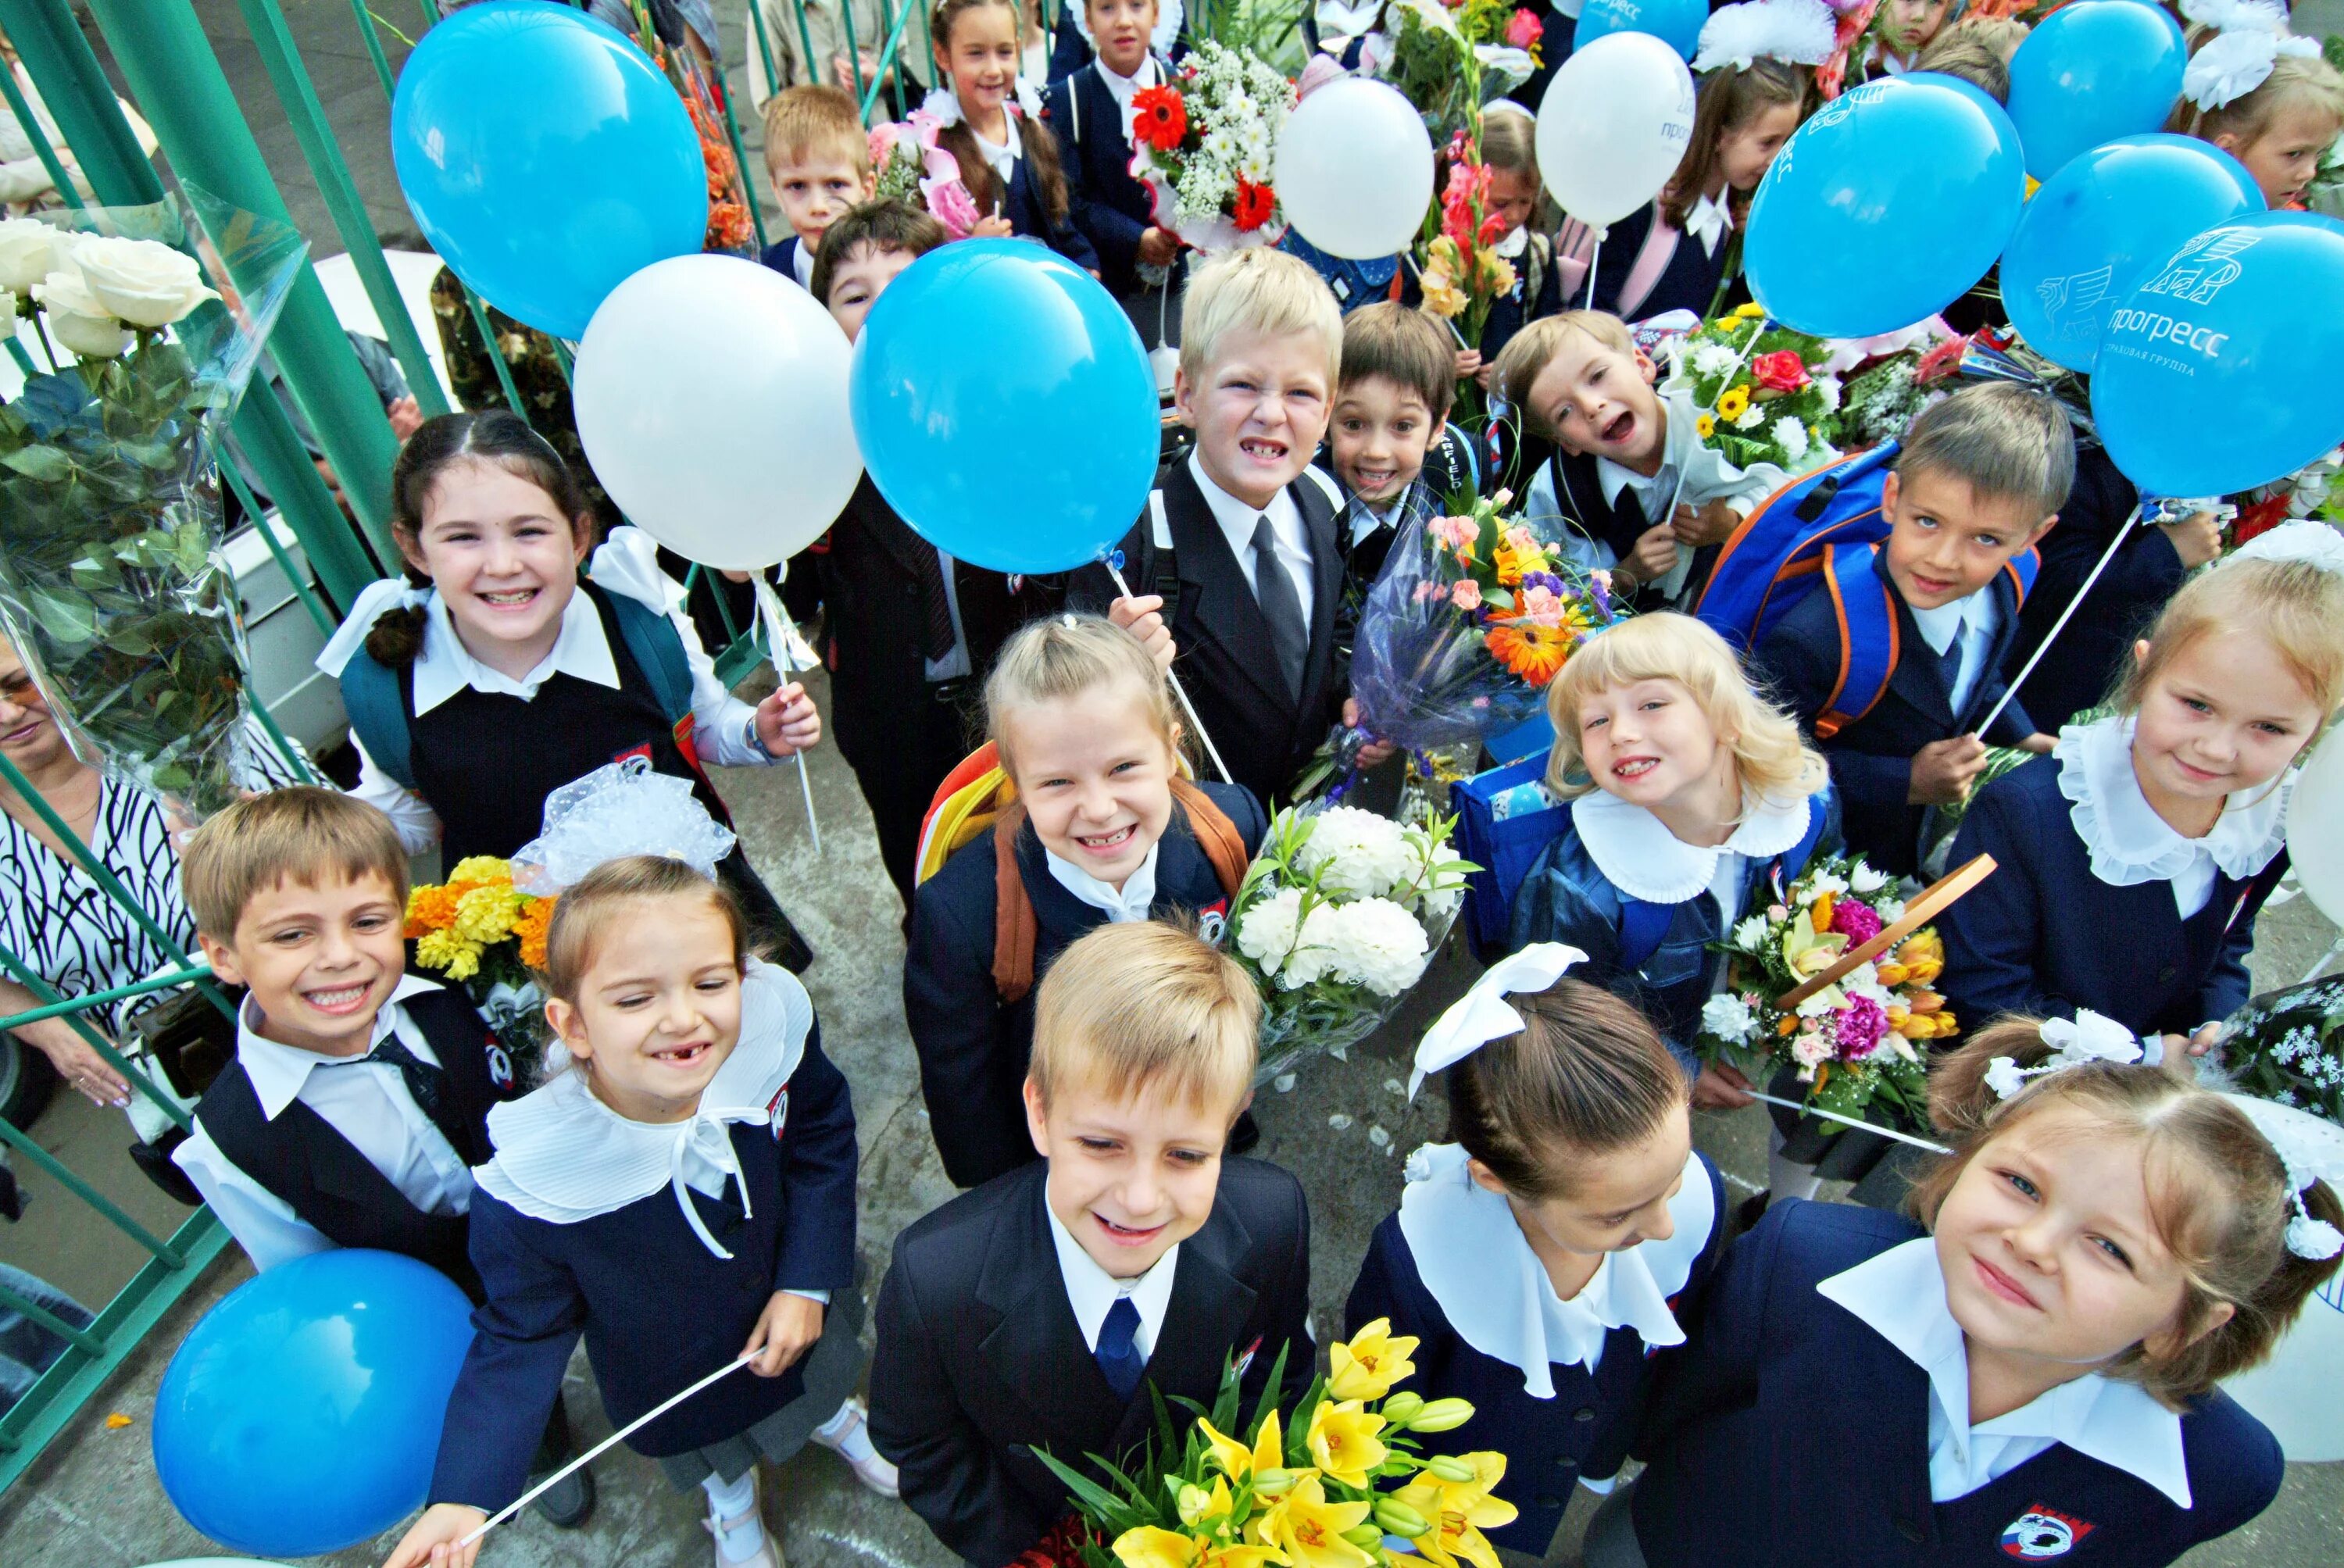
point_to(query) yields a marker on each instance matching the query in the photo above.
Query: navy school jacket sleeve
(1113, 232)
(1798, 663)
(1065, 237)
(1995, 932)
(818, 1167)
(2228, 983)
(522, 1335)
(1724, 1318)
(1290, 1320)
(968, 1060)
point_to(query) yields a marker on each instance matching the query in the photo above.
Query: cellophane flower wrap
(1450, 60)
(112, 586)
(1466, 627)
(1852, 1044)
(1330, 1483)
(907, 166)
(2288, 1046)
(1336, 919)
(1204, 143)
(1764, 396)
(486, 934)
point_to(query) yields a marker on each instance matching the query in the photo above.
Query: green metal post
(373, 44)
(96, 1039)
(496, 355)
(90, 1195)
(179, 86)
(282, 60)
(853, 54)
(255, 510)
(105, 998)
(39, 140)
(805, 41)
(723, 90)
(48, 1319)
(891, 51)
(765, 44)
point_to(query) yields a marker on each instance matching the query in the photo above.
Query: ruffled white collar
(563, 1157)
(2128, 842)
(1638, 855)
(1494, 1292)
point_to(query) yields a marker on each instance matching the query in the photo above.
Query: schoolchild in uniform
(360, 1094)
(497, 672)
(2032, 1369)
(2269, 99)
(1103, 830)
(683, 1195)
(994, 126)
(1090, 109)
(1391, 411)
(1979, 481)
(1538, 1254)
(1624, 453)
(818, 160)
(2164, 824)
(1036, 1313)
(1509, 153)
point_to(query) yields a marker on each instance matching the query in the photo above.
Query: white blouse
(2130, 844)
(1638, 855)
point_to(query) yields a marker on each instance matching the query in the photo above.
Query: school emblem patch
(500, 1065)
(2041, 1533)
(777, 1112)
(1211, 921)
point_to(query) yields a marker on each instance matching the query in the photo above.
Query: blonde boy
(818, 160)
(1029, 1313)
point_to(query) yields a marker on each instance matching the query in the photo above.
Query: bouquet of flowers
(479, 930)
(1466, 627)
(2288, 1046)
(731, 227)
(909, 166)
(1450, 60)
(1323, 1485)
(1336, 919)
(111, 583)
(1763, 398)
(1203, 144)
(1461, 275)
(1849, 1042)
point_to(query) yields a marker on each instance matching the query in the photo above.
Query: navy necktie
(425, 1086)
(1118, 1351)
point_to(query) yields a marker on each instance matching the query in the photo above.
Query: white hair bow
(619, 809)
(2315, 542)
(374, 601)
(2088, 1037)
(1795, 32)
(2235, 62)
(1483, 1014)
(2311, 1151)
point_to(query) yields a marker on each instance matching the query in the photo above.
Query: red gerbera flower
(1253, 205)
(1159, 118)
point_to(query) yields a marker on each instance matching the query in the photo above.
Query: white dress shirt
(1093, 1293)
(1973, 620)
(1122, 906)
(1002, 155)
(626, 564)
(1900, 1295)
(1237, 520)
(801, 265)
(1123, 88)
(366, 1102)
(1709, 222)
(2130, 844)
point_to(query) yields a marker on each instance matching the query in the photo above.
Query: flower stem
(42, 331)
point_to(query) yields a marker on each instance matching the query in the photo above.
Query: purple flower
(1854, 921)
(1600, 582)
(1859, 1029)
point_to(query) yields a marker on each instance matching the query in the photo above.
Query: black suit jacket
(980, 1361)
(1227, 661)
(1102, 198)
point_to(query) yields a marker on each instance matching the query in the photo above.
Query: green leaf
(63, 618)
(42, 464)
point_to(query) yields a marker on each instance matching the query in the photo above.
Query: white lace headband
(619, 809)
(1795, 32)
(1483, 1014)
(2252, 35)
(2309, 1149)
(2316, 543)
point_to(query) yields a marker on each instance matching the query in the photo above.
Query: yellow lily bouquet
(1328, 1484)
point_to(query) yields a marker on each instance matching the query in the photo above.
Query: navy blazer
(2044, 936)
(1029, 215)
(1102, 200)
(658, 1311)
(1872, 759)
(1786, 1434)
(1549, 1444)
(1689, 282)
(782, 255)
(973, 1049)
(1520, 306)
(1566, 898)
(980, 1361)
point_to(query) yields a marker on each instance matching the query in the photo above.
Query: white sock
(729, 1500)
(1787, 1178)
(846, 1434)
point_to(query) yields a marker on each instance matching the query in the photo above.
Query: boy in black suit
(1027, 1314)
(1091, 109)
(1240, 536)
(1979, 481)
(818, 161)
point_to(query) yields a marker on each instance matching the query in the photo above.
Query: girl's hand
(1143, 616)
(1720, 1087)
(432, 1538)
(1468, 363)
(785, 1329)
(1485, 375)
(79, 1064)
(1375, 753)
(995, 228)
(787, 722)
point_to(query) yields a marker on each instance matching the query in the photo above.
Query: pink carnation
(1466, 594)
(1524, 30)
(1859, 1028)
(1541, 606)
(1855, 922)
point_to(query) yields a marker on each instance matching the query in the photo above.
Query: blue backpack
(377, 713)
(1821, 530)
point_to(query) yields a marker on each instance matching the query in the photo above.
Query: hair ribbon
(1483, 1014)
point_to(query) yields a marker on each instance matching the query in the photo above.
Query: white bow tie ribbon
(707, 1133)
(2090, 1036)
(1483, 1014)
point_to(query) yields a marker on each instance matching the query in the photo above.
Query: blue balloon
(1884, 208)
(1005, 408)
(2210, 374)
(2098, 225)
(301, 1415)
(545, 158)
(2091, 72)
(1676, 23)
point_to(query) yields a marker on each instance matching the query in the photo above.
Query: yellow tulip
(1307, 1530)
(1235, 1460)
(1342, 1439)
(1372, 1360)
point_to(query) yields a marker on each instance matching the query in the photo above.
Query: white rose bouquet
(110, 582)
(1336, 919)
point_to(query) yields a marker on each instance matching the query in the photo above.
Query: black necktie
(1281, 606)
(1118, 1349)
(427, 1086)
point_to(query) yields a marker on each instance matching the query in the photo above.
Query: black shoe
(570, 1503)
(155, 1159)
(1748, 1212)
(1245, 1135)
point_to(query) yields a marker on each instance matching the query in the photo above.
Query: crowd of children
(2033, 1356)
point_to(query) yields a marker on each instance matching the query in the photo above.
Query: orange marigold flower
(430, 909)
(529, 927)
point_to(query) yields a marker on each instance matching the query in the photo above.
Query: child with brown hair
(2265, 97)
(994, 128)
(1537, 1253)
(1391, 410)
(1510, 152)
(2035, 1363)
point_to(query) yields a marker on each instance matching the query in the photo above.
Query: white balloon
(1354, 169)
(710, 396)
(1616, 121)
(2315, 828)
(2296, 1392)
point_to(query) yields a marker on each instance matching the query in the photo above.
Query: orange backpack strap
(1013, 913)
(1216, 836)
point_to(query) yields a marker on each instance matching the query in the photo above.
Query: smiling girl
(2163, 821)
(1103, 829)
(995, 129)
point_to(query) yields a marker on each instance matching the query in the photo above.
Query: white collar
(1342, 20)
(1900, 1295)
(1512, 244)
(1638, 855)
(1680, 448)
(1472, 1255)
(562, 1156)
(1940, 626)
(1092, 1292)
(277, 1071)
(1235, 517)
(1366, 517)
(1124, 86)
(1709, 221)
(802, 264)
(2128, 842)
(1132, 903)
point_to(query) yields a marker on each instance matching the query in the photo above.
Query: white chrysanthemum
(1824, 882)
(1863, 980)
(1356, 853)
(1863, 880)
(1750, 417)
(1729, 1018)
(1828, 389)
(1750, 936)
(1267, 931)
(1712, 359)
(1790, 436)
(1373, 942)
(1890, 910)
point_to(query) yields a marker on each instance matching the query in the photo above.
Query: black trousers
(899, 778)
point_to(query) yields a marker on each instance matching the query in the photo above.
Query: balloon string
(790, 653)
(1594, 258)
(1453, 330)
(1179, 691)
(1872, 1126)
(2011, 690)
